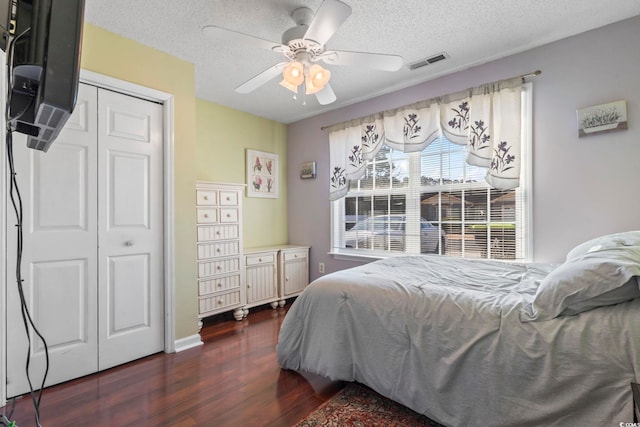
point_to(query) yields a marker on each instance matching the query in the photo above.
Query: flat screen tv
(44, 66)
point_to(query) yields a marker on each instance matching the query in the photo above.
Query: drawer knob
(248, 285)
(217, 233)
(218, 250)
(219, 285)
(220, 301)
(206, 197)
(128, 243)
(228, 215)
(295, 256)
(206, 215)
(259, 259)
(228, 198)
(218, 268)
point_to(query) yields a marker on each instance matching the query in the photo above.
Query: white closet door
(59, 266)
(130, 202)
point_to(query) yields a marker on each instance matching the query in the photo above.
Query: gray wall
(582, 188)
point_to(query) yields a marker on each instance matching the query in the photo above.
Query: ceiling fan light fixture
(317, 79)
(304, 45)
(286, 84)
(293, 73)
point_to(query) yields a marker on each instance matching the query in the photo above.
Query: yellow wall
(209, 144)
(224, 135)
(106, 53)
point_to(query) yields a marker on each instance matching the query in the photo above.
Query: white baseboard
(188, 342)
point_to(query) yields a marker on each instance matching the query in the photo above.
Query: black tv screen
(45, 68)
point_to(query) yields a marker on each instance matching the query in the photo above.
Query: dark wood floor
(232, 380)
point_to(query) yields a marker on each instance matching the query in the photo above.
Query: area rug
(357, 405)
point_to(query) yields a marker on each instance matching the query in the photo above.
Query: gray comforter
(443, 336)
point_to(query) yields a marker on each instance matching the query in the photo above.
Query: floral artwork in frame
(602, 118)
(262, 174)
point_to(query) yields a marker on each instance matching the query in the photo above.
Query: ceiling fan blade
(326, 95)
(219, 33)
(257, 81)
(329, 16)
(377, 61)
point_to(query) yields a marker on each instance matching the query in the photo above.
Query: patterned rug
(357, 405)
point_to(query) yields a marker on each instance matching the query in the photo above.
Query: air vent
(428, 61)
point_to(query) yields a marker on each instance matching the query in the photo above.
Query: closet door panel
(59, 262)
(93, 238)
(129, 191)
(60, 190)
(130, 140)
(126, 125)
(59, 284)
(129, 291)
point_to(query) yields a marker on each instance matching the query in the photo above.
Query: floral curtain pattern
(412, 129)
(349, 150)
(486, 119)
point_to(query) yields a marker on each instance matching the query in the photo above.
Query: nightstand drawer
(293, 255)
(266, 258)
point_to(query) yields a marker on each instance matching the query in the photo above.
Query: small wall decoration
(308, 170)
(262, 174)
(602, 118)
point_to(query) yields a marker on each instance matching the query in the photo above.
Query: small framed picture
(262, 174)
(602, 118)
(308, 170)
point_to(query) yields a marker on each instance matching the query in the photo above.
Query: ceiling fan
(303, 46)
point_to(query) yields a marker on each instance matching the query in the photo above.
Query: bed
(481, 342)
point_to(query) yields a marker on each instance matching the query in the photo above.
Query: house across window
(429, 202)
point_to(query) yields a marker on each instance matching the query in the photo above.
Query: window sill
(364, 256)
(368, 256)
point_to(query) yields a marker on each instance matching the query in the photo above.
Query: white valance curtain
(486, 119)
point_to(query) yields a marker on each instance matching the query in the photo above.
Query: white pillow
(627, 238)
(626, 292)
(588, 279)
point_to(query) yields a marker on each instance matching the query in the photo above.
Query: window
(433, 202)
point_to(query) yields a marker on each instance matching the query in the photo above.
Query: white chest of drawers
(220, 259)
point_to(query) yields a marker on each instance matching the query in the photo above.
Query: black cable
(10, 50)
(16, 200)
(6, 420)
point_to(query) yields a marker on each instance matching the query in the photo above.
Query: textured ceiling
(471, 32)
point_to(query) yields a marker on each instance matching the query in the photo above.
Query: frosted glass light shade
(292, 88)
(293, 73)
(317, 78)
